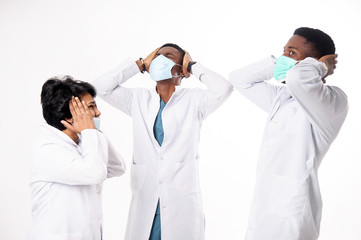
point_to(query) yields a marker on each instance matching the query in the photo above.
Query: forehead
(298, 42)
(87, 98)
(170, 53)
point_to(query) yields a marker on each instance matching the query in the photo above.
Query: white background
(84, 38)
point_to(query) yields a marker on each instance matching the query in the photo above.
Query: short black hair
(56, 94)
(322, 43)
(180, 50)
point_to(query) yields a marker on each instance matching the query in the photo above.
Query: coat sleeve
(62, 164)
(116, 165)
(326, 106)
(250, 81)
(218, 89)
(109, 86)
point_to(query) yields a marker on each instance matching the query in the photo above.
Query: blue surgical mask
(96, 124)
(161, 68)
(283, 64)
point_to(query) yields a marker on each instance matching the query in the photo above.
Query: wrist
(325, 67)
(141, 65)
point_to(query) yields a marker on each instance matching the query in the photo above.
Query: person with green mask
(305, 116)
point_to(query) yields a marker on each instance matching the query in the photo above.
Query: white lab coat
(66, 183)
(169, 172)
(300, 129)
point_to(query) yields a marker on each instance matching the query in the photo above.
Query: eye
(292, 53)
(91, 106)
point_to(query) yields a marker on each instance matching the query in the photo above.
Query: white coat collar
(57, 133)
(175, 93)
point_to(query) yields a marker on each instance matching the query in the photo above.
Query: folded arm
(63, 164)
(250, 81)
(218, 89)
(325, 105)
(109, 86)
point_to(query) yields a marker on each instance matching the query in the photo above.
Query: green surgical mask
(283, 64)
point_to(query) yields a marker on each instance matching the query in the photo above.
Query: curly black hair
(322, 43)
(180, 50)
(56, 94)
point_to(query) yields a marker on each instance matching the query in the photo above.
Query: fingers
(71, 107)
(68, 125)
(186, 59)
(334, 56)
(78, 108)
(150, 58)
(74, 106)
(80, 105)
(330, 61)
(85, 107)
(155, 51)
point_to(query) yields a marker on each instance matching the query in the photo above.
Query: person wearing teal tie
(159, 136)
(166, 199)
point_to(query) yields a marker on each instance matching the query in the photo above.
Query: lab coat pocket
(186, 179)
(287, 196)
(138, 174)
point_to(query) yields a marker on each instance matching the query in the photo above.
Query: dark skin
(166, 87)
(298, 48)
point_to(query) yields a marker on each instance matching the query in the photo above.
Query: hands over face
(150, 58)
(82, 117)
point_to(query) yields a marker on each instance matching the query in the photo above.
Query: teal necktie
(159, 136)
(158, 125)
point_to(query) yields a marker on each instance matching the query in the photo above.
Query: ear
(315, 54)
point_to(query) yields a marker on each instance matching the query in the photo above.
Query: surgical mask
(96, 124)
(283, 64)
(161, 68)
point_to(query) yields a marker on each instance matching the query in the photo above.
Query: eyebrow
(169, 53)
(290, 47)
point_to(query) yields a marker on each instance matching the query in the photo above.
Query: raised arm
(326, 106)
(251, 82)
(109, 85)
(218, 88)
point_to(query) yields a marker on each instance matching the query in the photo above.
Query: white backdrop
(84, 38)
